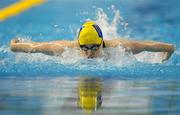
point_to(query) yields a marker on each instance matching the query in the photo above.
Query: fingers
(170, 51)
(167, 55)
(14, 41)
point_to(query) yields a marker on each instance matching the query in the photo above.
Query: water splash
(111, 31)
(74, 58)
(117, 57)
(110, 28)
(150, 57)
(23, 38)
(33, 58)
(4, 49)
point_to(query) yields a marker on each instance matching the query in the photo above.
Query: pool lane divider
(17, 8)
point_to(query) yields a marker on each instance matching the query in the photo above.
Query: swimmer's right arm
(49, 48)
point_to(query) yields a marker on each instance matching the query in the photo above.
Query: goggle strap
(98, 31)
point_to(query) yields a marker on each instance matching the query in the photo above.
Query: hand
(14, 41)
(167, 55)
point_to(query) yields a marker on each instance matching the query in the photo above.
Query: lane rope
(17, 8)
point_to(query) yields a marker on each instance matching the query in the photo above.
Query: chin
(93, 56)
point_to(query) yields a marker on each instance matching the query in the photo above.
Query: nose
(89, 54)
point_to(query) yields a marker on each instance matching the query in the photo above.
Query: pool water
(129, 84)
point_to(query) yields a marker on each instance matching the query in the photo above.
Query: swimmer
(90, 43)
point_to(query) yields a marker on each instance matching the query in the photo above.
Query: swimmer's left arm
(166, 48)
(139, 46)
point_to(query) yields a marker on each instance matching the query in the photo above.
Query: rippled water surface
(61, 96)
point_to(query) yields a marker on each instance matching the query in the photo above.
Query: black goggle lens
(94, 47)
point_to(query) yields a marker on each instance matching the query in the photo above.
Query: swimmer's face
(91, 51)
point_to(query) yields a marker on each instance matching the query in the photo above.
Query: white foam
(150, 57)
(4, 49)
(24, 38)
(119, 56)
(111, 56)
(70, 56)
(110, 28)
(177, 52)
(33, 57)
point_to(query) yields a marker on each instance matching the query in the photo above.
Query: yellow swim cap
(90, 33)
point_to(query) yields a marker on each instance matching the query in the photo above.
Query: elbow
(13, 48)
(172, 48)
(13, 45)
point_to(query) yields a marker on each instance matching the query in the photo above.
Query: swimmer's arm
(49, 48)
(151, 46)
(139, 46)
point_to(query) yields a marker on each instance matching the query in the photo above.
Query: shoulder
(67, 43)
(114, 42)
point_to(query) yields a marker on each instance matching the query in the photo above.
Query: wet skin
(92, 54)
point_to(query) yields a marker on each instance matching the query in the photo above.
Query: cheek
(89, 53)
(84, 52)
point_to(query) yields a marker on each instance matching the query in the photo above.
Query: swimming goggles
(93, 47)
